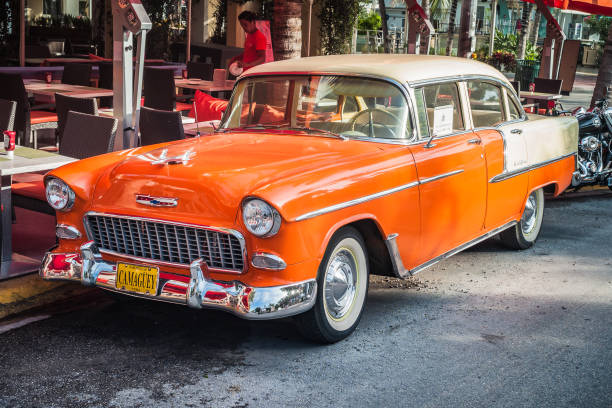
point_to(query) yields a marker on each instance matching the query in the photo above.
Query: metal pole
(138, 84)
(122, 82)
(22, 24)
(309, 28)
(492, 27)
(188, 40)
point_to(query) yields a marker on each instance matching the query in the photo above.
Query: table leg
(6, 220)
(11, 265)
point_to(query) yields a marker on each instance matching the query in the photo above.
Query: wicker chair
(158, 126)
(160, 90)
(84, 136)
(201, 70)
(77, 74)
(64, 103)
(27, 121)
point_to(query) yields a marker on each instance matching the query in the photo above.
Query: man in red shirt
(255, 44)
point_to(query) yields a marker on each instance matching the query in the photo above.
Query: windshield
(326, 105)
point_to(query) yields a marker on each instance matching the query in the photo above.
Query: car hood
(220, 170)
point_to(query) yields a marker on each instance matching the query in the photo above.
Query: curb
(30, 291)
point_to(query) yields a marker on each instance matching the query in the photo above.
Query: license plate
(137, 278)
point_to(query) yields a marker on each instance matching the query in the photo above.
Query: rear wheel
(525, 233)
(342, 286)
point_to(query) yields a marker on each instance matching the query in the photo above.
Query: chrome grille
(160, 241)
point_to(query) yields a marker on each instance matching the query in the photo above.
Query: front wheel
(342, 286)
(524, 234)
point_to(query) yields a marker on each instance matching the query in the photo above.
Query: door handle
(474, 141)
(516, 131)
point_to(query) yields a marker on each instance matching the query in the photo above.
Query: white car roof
(399, 67)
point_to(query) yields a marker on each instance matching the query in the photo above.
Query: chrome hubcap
(530, 214)
(340, 279)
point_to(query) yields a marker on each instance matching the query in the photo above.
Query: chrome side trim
(398, 265)
(514, 173)
(356, 201)
(440, 176)
(247, 302)
(235, 233)
(374, 196)
(396, 259)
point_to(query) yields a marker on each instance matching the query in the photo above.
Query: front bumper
(198, 291)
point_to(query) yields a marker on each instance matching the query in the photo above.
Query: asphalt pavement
(489, 327)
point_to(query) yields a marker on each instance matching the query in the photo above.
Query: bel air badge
(156, 201)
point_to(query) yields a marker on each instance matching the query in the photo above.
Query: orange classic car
(323, 170)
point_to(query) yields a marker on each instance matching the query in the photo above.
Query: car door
(451, 169)
(506, 152)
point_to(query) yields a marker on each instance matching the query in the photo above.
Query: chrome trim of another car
(398, 265)
(356, 201)
(201, 291)
(514, 173)
(235, 233)
(440, 176)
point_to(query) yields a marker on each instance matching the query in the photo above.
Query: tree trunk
(424, 38)
(385, 27)
(467, 29)
(287, 29)
(604, 79)
(525, 28)
(535, 27)
(451, 27)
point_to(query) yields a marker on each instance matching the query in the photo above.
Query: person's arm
(236, 58)
(261, 58)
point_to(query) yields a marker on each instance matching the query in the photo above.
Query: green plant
(508, 43)
(369, 21)
(338, 18)
(599, 25)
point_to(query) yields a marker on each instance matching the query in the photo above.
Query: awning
(599, 7)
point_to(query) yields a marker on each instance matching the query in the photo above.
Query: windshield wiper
(317, 130)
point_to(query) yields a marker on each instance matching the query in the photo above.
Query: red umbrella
(599, 7)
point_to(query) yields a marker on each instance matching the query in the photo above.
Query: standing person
(255, 44)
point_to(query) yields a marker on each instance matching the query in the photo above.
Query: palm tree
(604, 78)
(525, 29)
(451, 27)
(427, 10)
(385, 28)
(287, 29)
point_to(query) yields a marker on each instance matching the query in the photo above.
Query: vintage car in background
(324, 170)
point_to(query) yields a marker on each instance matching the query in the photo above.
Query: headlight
(59, 195)
(260, 218)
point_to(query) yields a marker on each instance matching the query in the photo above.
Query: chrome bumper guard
(201, 291)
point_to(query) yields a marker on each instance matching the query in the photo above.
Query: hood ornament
(156, 201)
(164, 159)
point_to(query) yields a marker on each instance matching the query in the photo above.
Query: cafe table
(202, 85)
(531, 97)
(108, 112)
(25, 160)
(48, 91)
(205, 128)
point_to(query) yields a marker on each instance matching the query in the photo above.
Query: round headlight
(59, 195)
(260, 218)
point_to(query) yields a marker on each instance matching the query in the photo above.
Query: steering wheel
(370, 123)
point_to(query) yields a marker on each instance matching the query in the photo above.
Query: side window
(486, 103)
(421, 113)
(350, 105)
(443, 98)
(515, 112)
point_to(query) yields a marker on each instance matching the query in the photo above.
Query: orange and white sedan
(324, 170)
